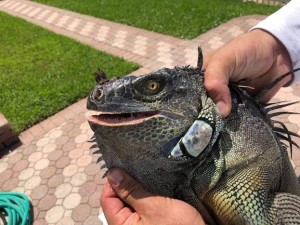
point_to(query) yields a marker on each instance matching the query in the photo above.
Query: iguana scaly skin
(233, 170)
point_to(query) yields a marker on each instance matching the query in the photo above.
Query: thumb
(216, 84)
(128, 190)
(216, 79)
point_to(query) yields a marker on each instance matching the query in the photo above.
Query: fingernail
(115, 176)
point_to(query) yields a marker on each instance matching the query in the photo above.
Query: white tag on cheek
(197, 137)
(195, 140)
(176, 152)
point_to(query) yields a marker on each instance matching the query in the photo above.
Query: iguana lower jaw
(121, 119)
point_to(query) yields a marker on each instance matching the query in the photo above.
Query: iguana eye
(152, 86)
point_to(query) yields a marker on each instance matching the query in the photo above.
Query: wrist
(279, 53)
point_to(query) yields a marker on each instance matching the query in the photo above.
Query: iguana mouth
(121, 119)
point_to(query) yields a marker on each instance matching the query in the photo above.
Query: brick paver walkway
(53, 166)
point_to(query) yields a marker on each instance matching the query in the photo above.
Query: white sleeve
(285, 25)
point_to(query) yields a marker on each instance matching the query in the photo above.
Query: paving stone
(42, 142)
(61, 140)
(34, 157)
(87, 145)
(42, 214)
(87, 189)
(37, 130)
(48, 172)
(85, 126)
(98, 178)
(41, 164)
(76, 153)
(16, 158)
(10, 184)
(69, 146)
(72, 201)
(21, 165)
(55, 134)
(49, 148)
(84, 200)
(95, 211)
(26, 174)
(47, 202)
(84, 160)
(92, 169)
(70, 170)
(47, 124)
(55, 155)
(39, 192)
(56, 180)
(81, 212)
(67, 127)
(63, 190)
(92, 220)
(75, 132)
(78, 179)
(29, 150)
(32, 182)
(57, 119)
(81, 138)
(54, 214)
(62, 162)
(66, 221)
(40, 222)
(3, 166)
(18, 189)
(94, 200)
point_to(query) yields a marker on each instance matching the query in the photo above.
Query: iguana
(164, 130)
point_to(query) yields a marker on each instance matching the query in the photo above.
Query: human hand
(126, 202)
(256, 56)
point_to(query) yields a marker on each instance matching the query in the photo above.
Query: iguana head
(153, 108)
(140, 119)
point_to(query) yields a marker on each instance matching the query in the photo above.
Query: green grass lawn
(41, 72)
(184, 19)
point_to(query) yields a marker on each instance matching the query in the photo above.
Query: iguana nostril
(97, 94)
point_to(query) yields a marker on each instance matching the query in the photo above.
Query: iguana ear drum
(194, 141)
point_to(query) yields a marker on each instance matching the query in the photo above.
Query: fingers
(216, 84)
(110, 201)
(129, 190)
(114, 209)
(149, 208)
